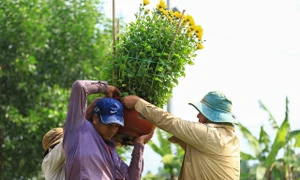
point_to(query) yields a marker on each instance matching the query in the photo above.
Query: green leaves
(44, 47)
(279, 142)
(154, 53)
(171, 154)
(267, 151)
(252, 140)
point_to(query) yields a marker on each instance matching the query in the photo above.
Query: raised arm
(78, 100)
(135, 170)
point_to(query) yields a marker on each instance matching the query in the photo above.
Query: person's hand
(129, 101)
(143, 139)
(112, 91)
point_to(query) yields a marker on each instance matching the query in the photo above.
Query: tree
(266, 151)
(45, 45)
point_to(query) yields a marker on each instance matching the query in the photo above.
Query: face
(107, 131)
(201, 117)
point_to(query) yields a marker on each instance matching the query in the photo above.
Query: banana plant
(266, 151)
(171, 154)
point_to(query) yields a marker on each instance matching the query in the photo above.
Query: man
(54, 158)
(90, 152)
(212, 148)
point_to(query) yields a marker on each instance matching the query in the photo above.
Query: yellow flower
(146, 2)
(147, 11)
(165, 12)
(190, 29)
(200, 46)
(198, 29)
(177, 14)
(161, 4)
(188, 19)
(199, 36)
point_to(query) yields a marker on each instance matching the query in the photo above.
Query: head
(51, 139)
(90, 110)
(214, 107)
(108, 116)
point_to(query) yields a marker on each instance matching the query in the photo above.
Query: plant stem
(176, 32)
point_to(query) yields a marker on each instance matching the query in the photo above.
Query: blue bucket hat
(216, 107)
(109, 111)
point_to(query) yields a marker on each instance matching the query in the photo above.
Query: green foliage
(161, 175)
(270, 166)
(247, 171)
(171, 154)
(152, 53)
(22, 150)
(44, 47)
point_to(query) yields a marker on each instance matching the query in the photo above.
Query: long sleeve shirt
(87, 155)
(54, 162)
(212, 151)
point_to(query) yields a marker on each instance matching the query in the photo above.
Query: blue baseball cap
(216, 107)
(109, 111)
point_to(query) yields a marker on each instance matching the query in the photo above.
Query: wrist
(103, 86)
(139, 143)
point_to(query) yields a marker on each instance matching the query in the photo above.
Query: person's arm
(135, 170)
(178, 141)
(193, 133)
(78, 100)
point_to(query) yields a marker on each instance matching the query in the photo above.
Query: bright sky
(252, 53)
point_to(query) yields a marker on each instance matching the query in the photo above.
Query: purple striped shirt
(87, 156)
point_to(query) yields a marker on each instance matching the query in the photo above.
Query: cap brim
(213, 115)
(112, 119)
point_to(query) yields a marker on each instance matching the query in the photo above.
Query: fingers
(148, 136)
(151, 134)
(124, 101)
(117, 91)
(109, 94)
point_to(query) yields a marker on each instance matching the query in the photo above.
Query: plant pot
(134, 126)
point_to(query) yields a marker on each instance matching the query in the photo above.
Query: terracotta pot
(134, 126)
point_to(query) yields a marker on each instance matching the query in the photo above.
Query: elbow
(77, 84)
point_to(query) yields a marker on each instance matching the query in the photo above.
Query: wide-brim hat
(52, 137)
(109, 111)
(216, 107)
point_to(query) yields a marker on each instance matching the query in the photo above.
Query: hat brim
(214, 115)
(112, 119)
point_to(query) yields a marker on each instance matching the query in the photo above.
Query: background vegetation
(45, 45)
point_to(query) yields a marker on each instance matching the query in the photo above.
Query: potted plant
(151, 53)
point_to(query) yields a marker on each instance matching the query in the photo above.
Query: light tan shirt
(212, 151)
(53, 163)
